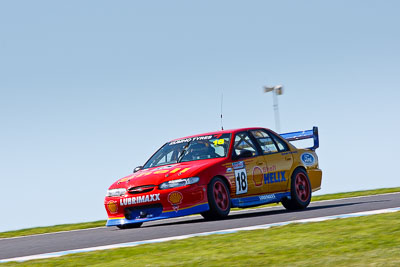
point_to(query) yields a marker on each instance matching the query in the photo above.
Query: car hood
(158, 175)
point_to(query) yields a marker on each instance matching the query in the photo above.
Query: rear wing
(294, 136)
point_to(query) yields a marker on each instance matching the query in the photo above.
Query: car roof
(222, 132)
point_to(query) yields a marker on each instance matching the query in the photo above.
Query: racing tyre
(218, 200)
(300, 191)
(130, 225)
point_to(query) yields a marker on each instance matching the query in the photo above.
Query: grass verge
(363, 241)
(52, 229)
(77, 226)
(356, 194)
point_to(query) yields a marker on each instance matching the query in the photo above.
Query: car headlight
(179, 182)
(116, 192)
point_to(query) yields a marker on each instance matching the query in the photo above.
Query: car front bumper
(156, 205)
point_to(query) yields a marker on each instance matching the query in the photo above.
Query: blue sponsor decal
(270, 197)
(238, 165)
(274, 177)
(257, 200)
(308, 159)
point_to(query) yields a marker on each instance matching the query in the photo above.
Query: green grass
(356, 194)
(51, 229)
(363, 241)
(68, 227)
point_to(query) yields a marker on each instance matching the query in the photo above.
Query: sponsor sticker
(274, 177)
(307, 159)
(185, 140)
(267, 197)
(126, 178)
(241, 181)
(112, 206)
(139, 199)
(175, 198)
(272, 168)
(257, 176)
(238, 165)
(219, 142)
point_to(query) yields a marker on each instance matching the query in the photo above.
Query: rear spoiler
(294, 136)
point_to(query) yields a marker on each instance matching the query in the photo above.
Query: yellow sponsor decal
(219, 142)
(154, 172)
(162, 171)
(184, 170)
(175, 198)
(112, 206)
(175, 170)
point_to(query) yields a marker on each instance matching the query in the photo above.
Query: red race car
(211, 173)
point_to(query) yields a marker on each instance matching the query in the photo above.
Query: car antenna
(222, 100)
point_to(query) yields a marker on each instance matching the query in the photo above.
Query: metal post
(276, 90)
(276, 111)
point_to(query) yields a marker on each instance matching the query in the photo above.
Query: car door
(248, 171)
(278, 160)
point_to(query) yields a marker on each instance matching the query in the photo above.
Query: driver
(200, 150)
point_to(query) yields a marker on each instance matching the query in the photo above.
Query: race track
(45, 243)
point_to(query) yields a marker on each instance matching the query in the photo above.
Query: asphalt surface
(54, 242)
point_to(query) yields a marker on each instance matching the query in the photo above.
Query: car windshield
(190, 149)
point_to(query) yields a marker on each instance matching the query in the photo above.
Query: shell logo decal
(257, 176)
(112, 206)
(175, 198)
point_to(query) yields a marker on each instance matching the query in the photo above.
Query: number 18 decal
(241, 181)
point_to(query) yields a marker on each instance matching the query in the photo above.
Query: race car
(213, 172)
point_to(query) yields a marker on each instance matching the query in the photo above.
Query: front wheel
(300, 191)
(218, 200)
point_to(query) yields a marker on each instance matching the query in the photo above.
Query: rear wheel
(300, 192)
(129, 225)
(218, 200)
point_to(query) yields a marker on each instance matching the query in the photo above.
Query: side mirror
(138, 168)
(243, 154)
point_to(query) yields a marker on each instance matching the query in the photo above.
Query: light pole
(276, 90)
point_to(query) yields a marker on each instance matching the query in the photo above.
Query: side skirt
(258, 200)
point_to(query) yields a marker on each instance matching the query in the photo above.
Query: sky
(90, 89)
